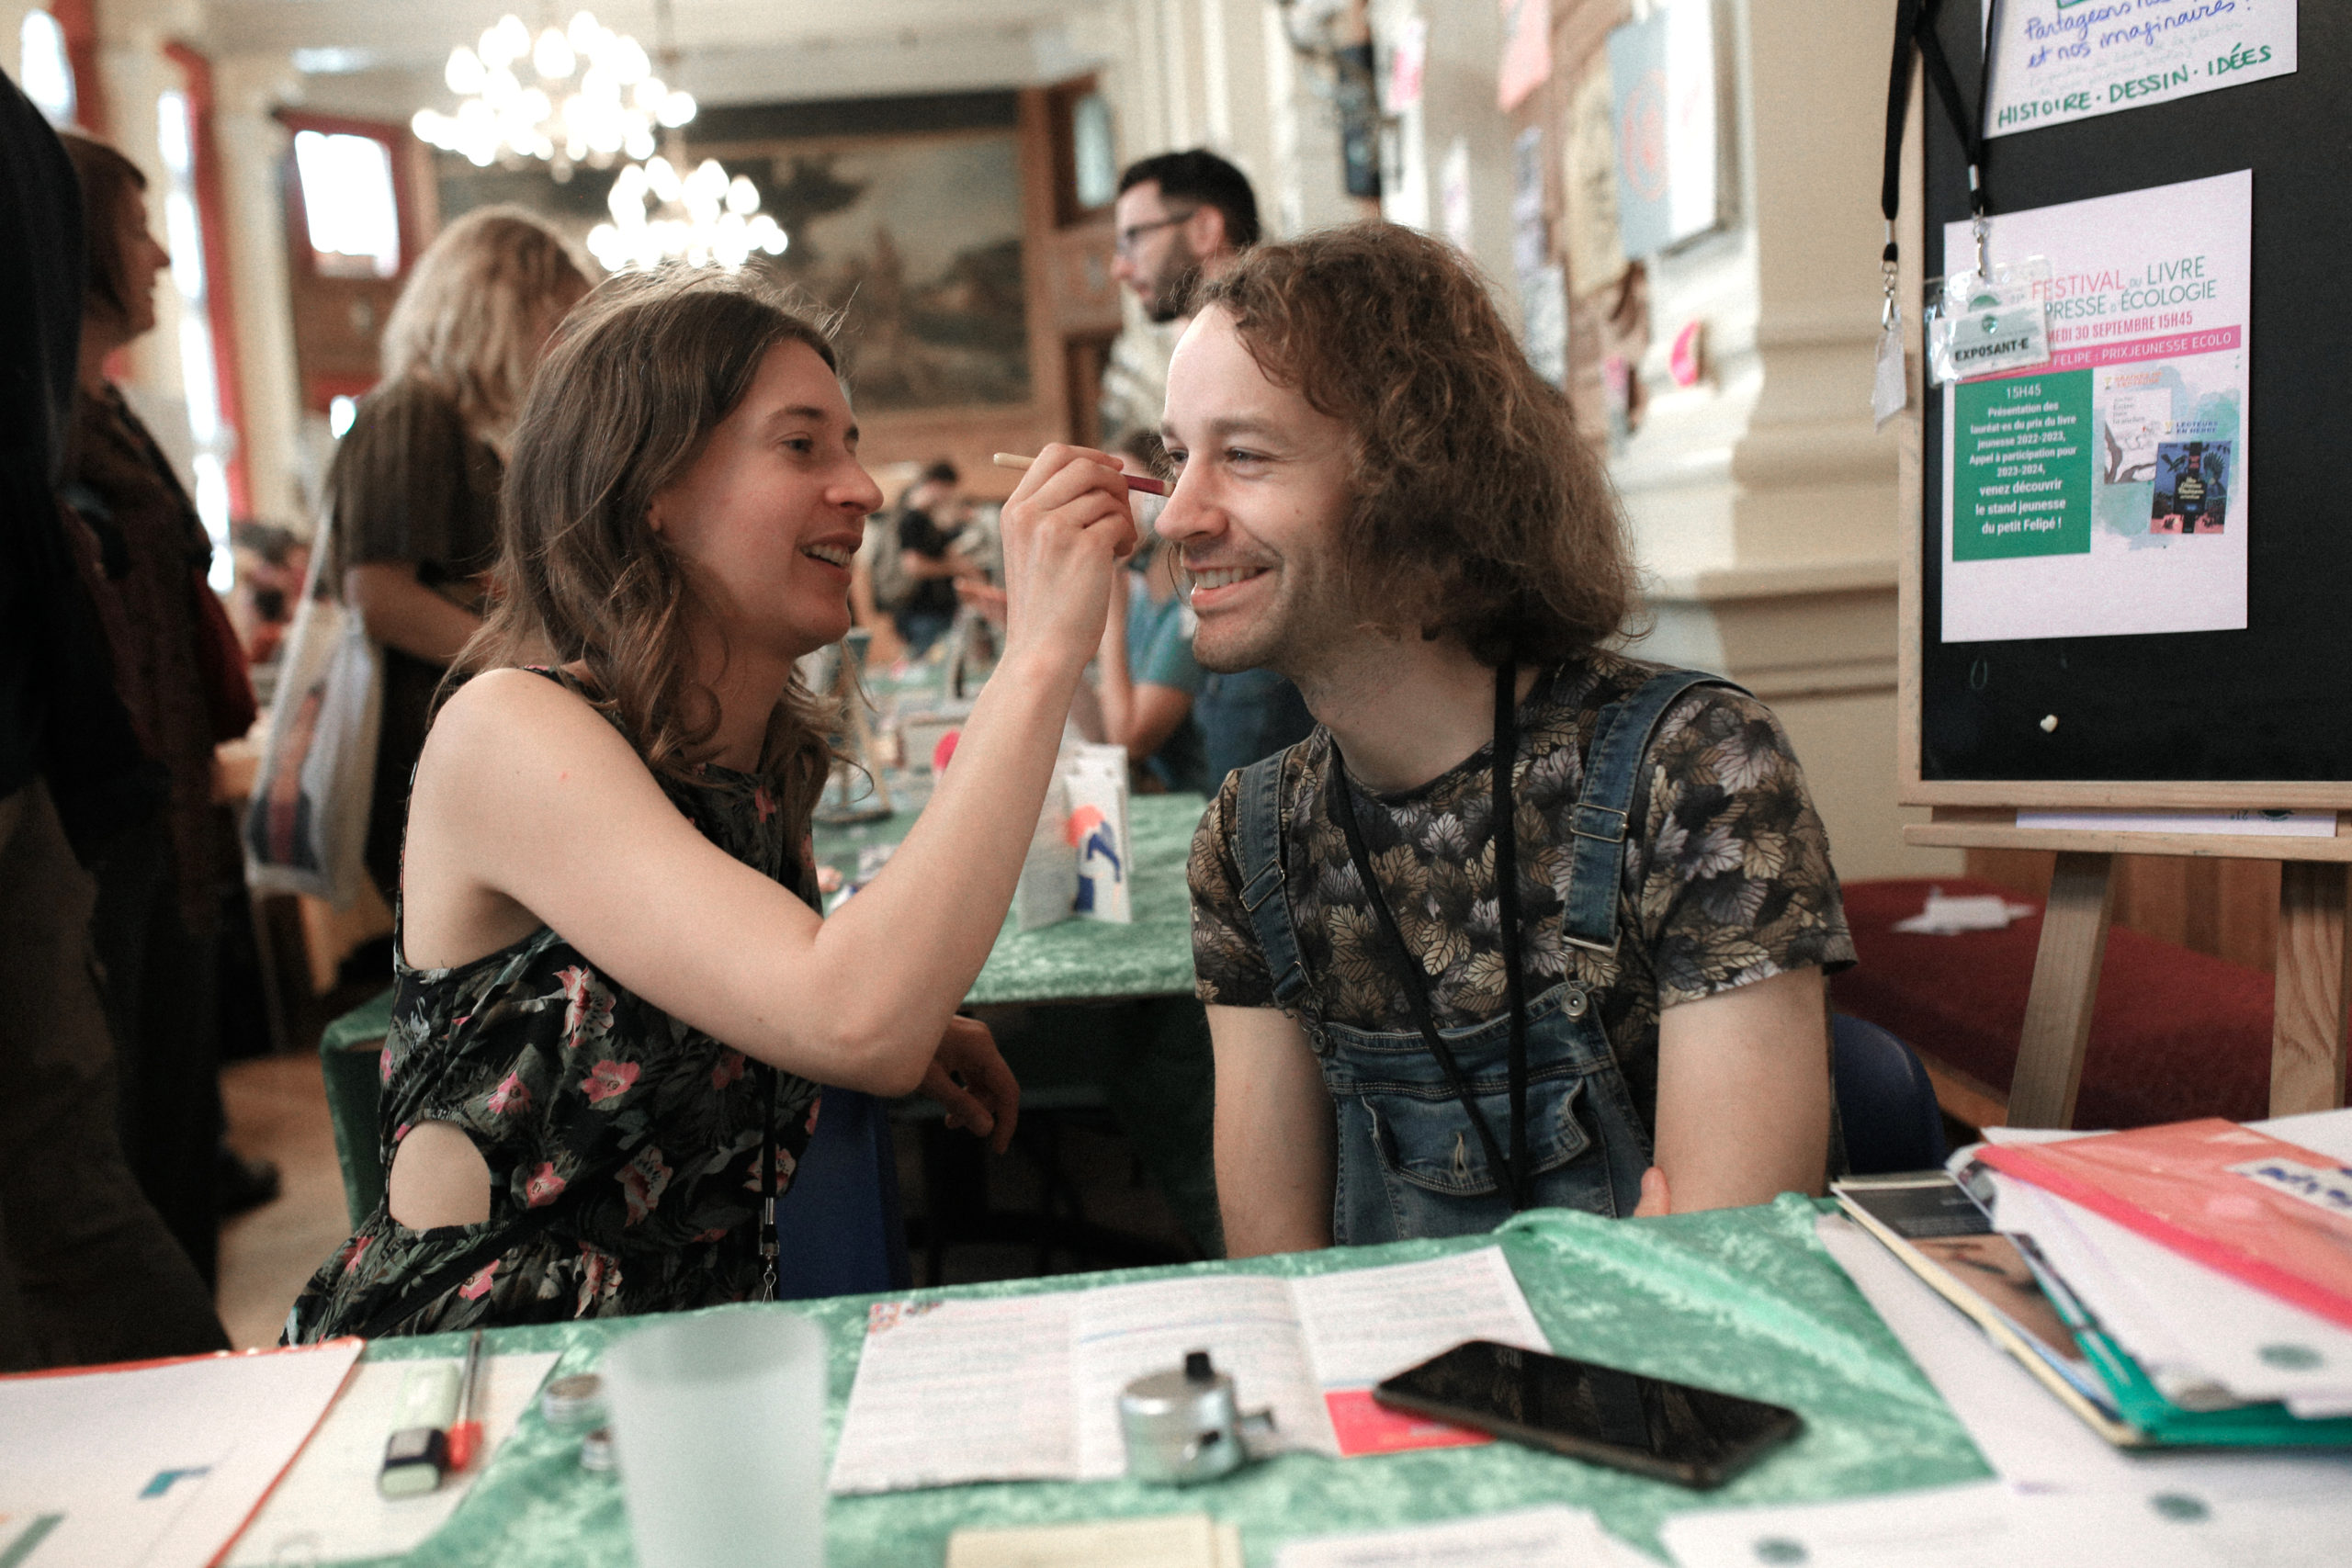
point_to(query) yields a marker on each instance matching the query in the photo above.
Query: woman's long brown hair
(639, 376)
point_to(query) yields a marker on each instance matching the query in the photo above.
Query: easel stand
(2307, 1041)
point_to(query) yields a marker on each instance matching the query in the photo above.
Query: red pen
(1015, 461)
(464, 1433)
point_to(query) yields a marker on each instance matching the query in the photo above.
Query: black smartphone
(1693, 1437)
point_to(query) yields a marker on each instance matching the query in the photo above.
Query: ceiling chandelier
(592, 98)
(700, 217)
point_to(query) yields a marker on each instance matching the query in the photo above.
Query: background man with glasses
(1182, 218)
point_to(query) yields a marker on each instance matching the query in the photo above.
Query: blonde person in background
(413, 495)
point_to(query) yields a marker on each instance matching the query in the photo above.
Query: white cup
(720, 1421)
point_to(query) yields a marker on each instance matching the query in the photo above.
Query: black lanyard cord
(767, 1185)
(1511, 1174)
(1914, 27)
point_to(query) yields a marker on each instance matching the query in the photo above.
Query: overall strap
(1258, 840)
(1601, 817)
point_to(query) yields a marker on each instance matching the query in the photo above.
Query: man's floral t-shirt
(1727, 877)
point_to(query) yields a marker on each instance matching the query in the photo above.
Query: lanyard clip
(1982, 231)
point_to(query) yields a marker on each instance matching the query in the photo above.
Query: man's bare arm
(1743, 1094)
(1273, 1149)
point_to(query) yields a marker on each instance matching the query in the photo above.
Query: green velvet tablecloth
(1741, 1299)
(1076, 960)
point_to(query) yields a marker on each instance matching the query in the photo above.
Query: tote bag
(306, 822)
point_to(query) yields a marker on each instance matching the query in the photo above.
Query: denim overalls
(1410, 1164)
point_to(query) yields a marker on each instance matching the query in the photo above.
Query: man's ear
(1205, 230)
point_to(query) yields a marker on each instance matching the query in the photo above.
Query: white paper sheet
(156, 1466)
(1988, 1526)
(1027, 1388)
(1250, 1325)
(1528, 1538)
(951, 1392)
(2234, 824)
(2061, 60)
(328, 1509)
(1364, 1324)
(2046, 531)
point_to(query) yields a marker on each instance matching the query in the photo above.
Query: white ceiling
(731, 51)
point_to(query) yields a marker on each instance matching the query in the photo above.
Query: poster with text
(2061, 60)
(2104, 494)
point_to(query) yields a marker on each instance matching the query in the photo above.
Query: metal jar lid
(574, 1401)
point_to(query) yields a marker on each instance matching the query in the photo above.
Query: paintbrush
(1015, 461)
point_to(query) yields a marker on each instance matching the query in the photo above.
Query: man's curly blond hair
(1479, 510)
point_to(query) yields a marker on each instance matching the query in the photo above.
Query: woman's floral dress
(579, 1094)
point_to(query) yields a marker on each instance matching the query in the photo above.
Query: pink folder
(2271, 1214)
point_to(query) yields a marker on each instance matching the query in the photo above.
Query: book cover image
(1944, 1224)
(2192, 488)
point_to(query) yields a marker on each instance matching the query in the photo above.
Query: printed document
(1027, 1387)
(2104, 494)
(2059, 60)
(156, 1465)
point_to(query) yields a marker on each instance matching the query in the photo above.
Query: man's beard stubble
(1173, 285)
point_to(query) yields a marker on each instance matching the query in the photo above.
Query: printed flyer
(2061, 60)
(2104, 494)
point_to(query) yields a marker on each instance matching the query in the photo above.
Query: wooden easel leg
(2065, 983)
(2307, 1036)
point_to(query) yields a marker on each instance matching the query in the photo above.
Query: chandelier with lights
(592, 98)
(700, 217)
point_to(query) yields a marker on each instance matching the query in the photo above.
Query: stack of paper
(2181, 1285)
(2205, 1268)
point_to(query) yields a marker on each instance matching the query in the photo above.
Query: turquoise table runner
(1742, 1300)
(1077, 960)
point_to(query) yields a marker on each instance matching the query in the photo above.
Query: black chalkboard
(2272, 703)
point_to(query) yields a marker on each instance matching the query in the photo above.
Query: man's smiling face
(1261, 497)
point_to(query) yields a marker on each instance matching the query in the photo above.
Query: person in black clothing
(927, 528)
(413, 490)
(87, 1271)
(178, 670)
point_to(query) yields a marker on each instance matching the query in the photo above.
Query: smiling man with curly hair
(1439, 995)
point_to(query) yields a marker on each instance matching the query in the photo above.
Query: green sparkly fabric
(1740, 1300)
(1077, 960)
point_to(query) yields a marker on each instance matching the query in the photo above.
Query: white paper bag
(306, 828)
(1048, 891)
(1096, 780)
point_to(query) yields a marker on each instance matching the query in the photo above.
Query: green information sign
(2021, 466)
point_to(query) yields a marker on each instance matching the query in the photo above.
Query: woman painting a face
(615, 1002)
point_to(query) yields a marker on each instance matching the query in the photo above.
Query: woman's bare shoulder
(519, 719)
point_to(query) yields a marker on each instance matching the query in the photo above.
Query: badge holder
(1890, 384)
(1988, 320)
(1984, 321)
